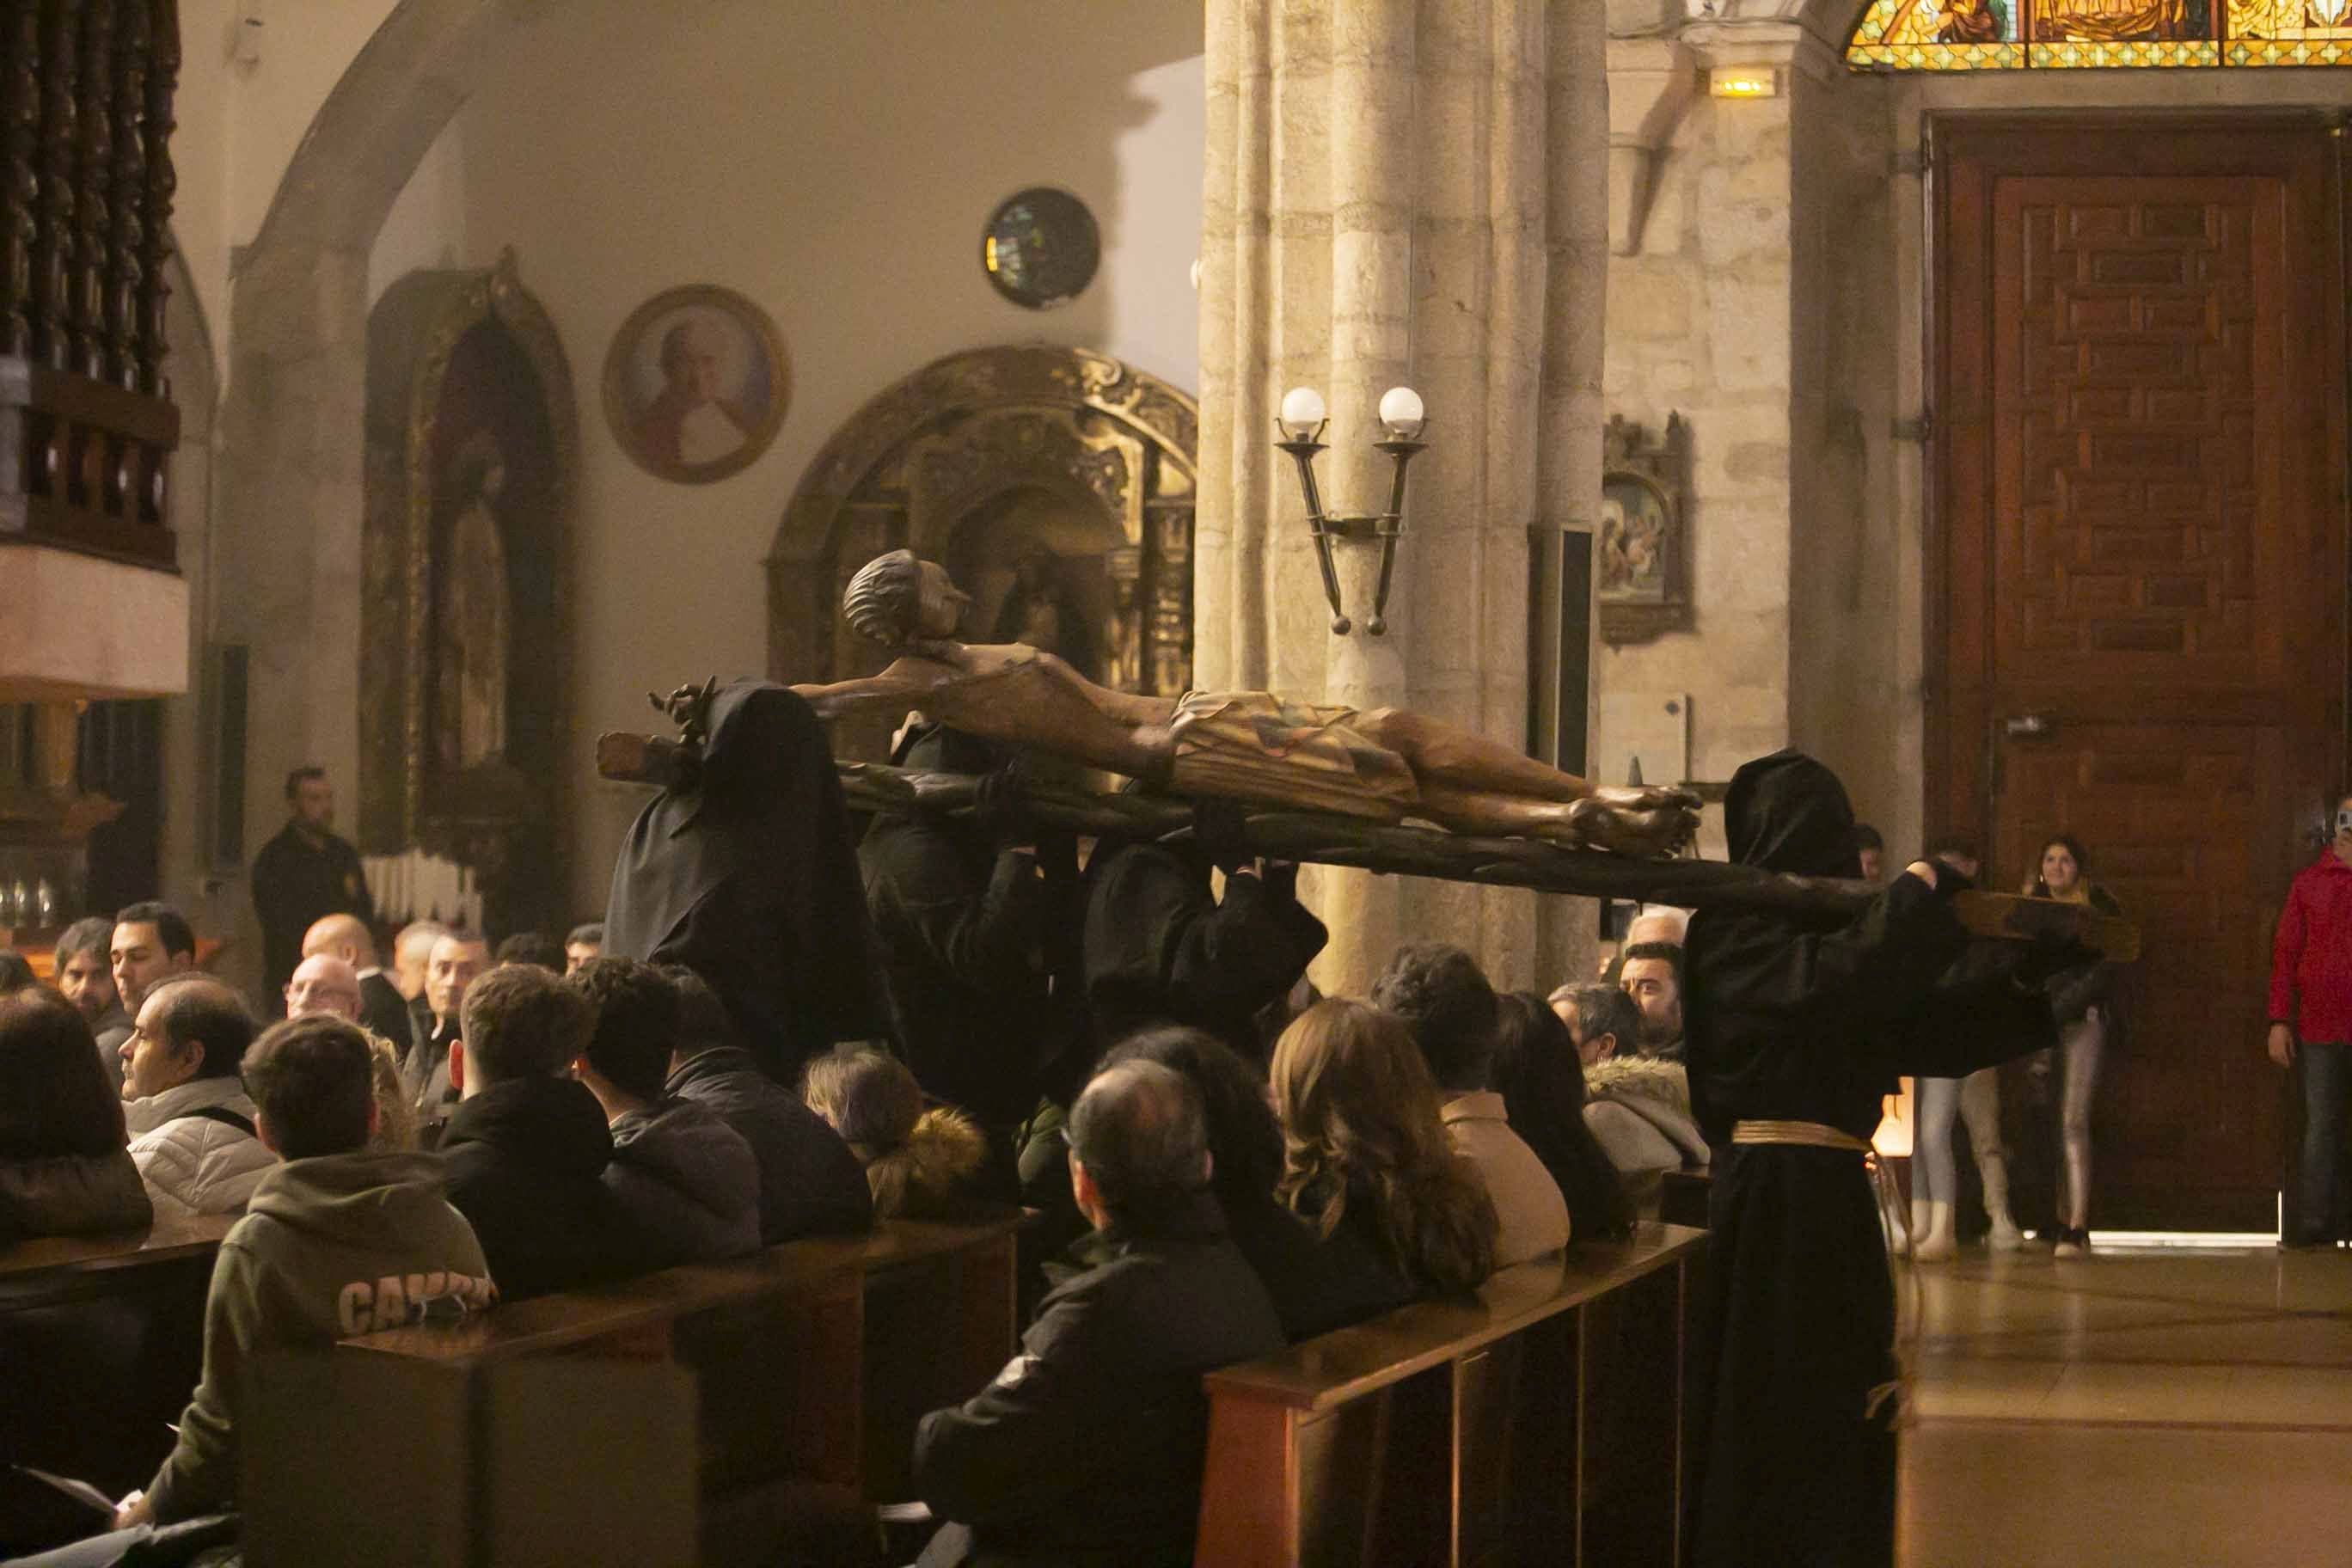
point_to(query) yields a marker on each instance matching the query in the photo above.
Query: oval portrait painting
(696, 383)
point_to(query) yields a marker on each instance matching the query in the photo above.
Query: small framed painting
(696, 383)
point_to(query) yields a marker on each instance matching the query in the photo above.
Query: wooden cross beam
(1315, 839)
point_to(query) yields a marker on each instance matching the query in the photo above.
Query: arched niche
(472, 458)
(1057, 484)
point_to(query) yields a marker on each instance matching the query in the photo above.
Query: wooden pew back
(100, 1342)
(1541, 1421)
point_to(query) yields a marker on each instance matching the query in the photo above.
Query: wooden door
(2140, 576)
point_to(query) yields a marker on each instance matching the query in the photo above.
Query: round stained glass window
(1041, 247)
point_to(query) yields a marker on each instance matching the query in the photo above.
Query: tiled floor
(2141, 1409)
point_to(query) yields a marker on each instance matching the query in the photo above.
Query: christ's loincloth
(1253, 746)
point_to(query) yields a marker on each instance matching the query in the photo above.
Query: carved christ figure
(1249, 746)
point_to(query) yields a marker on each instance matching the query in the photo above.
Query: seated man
(85, 977)
(381, 1006)
(526, 1148)
(810, 1183)
(1088, 1447)
(1652, 974)
(457, 957)
(684, 1178)
(583, 943)
(1444, 999)
(324, 984)
(1241, 745)
(150, 942)
(334, 1245)
(190, 1125)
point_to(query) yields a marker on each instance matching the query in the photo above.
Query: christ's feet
(1654, 823)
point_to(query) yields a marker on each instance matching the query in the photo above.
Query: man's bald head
(325, 984)
(1665, 926)
(346, 937)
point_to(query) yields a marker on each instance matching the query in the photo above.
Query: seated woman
(1365, 1151)
(921, 1164)
(1638, 1108)
(1536, 1071)
(1318, 1282)
(64, 1170)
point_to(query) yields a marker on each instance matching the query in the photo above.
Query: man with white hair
(324, 984)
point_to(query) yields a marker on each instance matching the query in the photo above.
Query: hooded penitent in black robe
(1160, 948)
(750, 879)
(1802, 1018)
(962, 921)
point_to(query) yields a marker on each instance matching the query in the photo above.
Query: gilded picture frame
(697, 384)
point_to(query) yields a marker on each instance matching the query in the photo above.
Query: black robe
(1159, 948)
(961, 923)
(1807, 1019)
(750, 879)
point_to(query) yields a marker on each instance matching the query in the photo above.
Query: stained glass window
(2004, 35)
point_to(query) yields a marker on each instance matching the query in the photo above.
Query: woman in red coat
(2311, 1001)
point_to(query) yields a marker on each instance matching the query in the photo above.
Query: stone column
(1381, 206)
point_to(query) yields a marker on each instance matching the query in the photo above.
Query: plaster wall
(240, 122)
(836, 167)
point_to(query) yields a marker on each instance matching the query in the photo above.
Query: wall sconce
(1302, 422)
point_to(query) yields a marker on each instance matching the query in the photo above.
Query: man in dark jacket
(526, 1148)
(383, 1008)
(959, 914)
(300, 875)
(1798, 1025)
(809, 1184)
(1088, 1447)
(686, 1180)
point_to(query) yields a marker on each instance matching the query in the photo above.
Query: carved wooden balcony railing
(87, 424)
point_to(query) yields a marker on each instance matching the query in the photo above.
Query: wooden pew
(1541, 1421)
(102, 1337)
(813, 1359)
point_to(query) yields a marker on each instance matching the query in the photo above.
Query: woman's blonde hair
(1361, 1124)
(920, 1164)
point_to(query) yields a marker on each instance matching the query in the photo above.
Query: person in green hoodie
(337, 1241)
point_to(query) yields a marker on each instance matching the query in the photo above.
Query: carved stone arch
(466, 371)
(1041, 443)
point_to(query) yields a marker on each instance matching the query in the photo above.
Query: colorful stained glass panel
(2077, 35)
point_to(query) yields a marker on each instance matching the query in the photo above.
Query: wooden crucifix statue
(1382, 765)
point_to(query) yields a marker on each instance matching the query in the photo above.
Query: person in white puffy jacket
(190, 1125)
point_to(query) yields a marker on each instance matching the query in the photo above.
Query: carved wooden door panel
(2142, 583)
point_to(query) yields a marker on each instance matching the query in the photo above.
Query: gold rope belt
(1809, 1134)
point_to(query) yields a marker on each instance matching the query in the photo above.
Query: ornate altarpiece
(472, 453)
(1056, 485)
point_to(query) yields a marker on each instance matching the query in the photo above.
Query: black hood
(1788, 813)
(749, 877)
(553, 1123)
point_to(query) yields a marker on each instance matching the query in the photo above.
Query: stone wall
(1699, 322)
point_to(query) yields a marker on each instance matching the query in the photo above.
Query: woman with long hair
(921, 1162)
(2082, 1000)
(1317, 1282)
(1541, 1079)
(64, 1166)
(1364, 1148)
